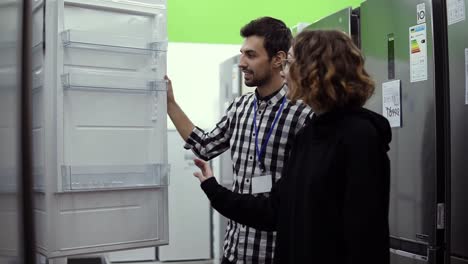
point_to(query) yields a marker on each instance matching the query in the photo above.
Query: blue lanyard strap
(262, 150)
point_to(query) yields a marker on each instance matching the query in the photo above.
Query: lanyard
(262, 150)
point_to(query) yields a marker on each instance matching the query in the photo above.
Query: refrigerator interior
(100, 126)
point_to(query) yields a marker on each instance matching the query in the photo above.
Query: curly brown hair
(328, 71)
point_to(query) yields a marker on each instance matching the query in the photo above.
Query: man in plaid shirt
(258, 128)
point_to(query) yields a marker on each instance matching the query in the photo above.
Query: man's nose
(242, 64)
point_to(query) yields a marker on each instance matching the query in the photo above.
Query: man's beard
(255, 82)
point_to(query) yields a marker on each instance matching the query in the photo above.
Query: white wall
(194, 71)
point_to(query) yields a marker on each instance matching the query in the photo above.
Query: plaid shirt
(236, 131)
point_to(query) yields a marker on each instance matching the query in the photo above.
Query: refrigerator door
(10, 87)
(231, 85)
(104, 141)
(346, 20)
(38, 93)
(38, 130)
(189, 209)
(230, 78)
(458, 58)
(388, 30)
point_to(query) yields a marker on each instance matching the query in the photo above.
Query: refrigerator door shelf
(402, 257)
(140, 6)
(130, 83)
(114, 177)
(99, 41)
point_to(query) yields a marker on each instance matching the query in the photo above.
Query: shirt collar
(273, 98)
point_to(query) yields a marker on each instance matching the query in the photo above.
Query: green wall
(219, 21)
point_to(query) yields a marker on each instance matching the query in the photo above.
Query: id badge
(261, 184)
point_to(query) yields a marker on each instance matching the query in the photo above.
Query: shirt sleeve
(305, 114)
(260, 212)
(208, 145)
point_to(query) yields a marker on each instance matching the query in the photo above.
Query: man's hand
(181, 121)
(170, 92)
(206, 171)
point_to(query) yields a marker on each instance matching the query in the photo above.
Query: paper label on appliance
(418, 53)
(235, 89)
(455, 11)
(421, 13)
(391, 103)
(466, 76)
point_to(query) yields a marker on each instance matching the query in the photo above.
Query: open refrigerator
(99, 126)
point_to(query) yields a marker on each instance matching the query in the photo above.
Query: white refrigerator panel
(100, 127)
(110, 220)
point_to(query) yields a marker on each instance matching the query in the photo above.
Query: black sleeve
(259, 212)
(365, 222)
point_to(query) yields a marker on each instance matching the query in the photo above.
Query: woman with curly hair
(331, 206)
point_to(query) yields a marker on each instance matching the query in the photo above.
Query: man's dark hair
(277, 36)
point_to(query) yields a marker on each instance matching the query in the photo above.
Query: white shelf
(134, 5)
(112, 82)
(112, 177)
(99, 41)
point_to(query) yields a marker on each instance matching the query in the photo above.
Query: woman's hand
(206, 171)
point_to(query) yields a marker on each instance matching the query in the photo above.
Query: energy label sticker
(418, 53)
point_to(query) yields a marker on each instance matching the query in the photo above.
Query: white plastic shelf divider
(112, 82)
(124, 44)
(112, 177)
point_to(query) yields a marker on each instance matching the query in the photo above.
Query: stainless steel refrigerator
(346, 20)
(385, 40)
(383, 35)
(418, 65)
(458, 68)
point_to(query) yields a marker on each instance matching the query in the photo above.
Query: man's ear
(278, 59)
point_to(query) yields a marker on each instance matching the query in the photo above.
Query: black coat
(331, 205)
